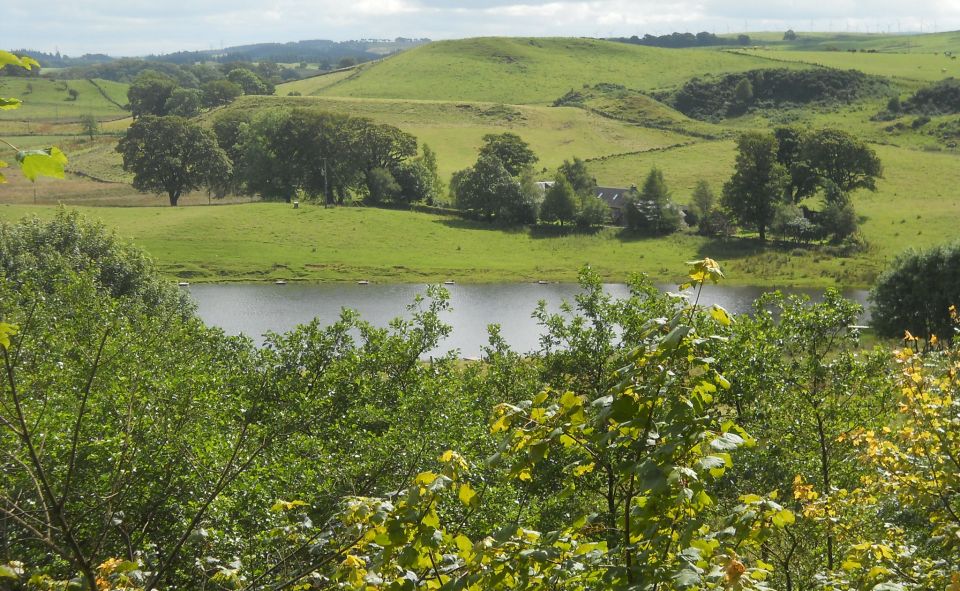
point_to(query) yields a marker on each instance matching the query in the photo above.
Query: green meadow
(49, 101)
(450, 94)
(269, 241)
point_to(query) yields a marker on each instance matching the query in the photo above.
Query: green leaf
(672, 340)
(686, 578)
(727, 442)
(36, 163)
(7, 573)
(7, 104)
(8, 59)
(783, 518)
(7, 330)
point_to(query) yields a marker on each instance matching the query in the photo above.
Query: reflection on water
(254, 309)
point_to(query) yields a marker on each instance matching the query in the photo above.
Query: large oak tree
(172, 155)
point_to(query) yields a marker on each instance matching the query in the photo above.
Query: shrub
(839, 220)
(919, 293)
(717, 224)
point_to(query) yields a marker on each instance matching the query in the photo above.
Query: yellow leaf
(704, 270)
(850, 565)
(525, 475)
(581, 470)
(287, 505)
(467, 495)
(425, 478)
(500, 425)
(352, 561)
(721, 315)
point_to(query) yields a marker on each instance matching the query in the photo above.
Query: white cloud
(136, 27)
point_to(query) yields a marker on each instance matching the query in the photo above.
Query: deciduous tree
(149, 92)
(757, 184)
(172, 155)
(560, 202)
(513, 152)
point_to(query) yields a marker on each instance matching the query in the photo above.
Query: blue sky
(139, 27)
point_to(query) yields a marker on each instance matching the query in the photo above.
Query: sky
(141, 27)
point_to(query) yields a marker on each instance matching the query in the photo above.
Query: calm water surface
(254, 309)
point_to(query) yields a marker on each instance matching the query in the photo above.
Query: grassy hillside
(530, 71)
(315, 84)
(48, 101)
(455, 129)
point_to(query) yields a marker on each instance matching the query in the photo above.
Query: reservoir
(255, 309)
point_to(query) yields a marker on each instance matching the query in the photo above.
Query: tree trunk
(174, 197)
(763, 232)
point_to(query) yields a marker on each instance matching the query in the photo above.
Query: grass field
(273, 241)
(49, 100)
(924, 67)
(531, 71)
(881, 42)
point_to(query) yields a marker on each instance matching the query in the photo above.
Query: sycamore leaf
(581, 470)
(7, 573)
(705, 270)
(720, 315)
(467, 495)
(6, 331)
(286, 505)
(8, 59)
(47, 162)
(783, 518)
(7, 104)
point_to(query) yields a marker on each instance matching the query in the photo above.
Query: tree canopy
(758, 182)
(513, 152)
(172, 155)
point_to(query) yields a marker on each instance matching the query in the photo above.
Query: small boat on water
(183, 283)
(541, 282)
(279, 282)
(448, 282)
(363, 282)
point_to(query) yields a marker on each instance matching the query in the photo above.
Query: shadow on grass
(538, 231)
(739, 248)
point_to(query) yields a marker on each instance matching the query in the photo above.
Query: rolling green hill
(531, 70)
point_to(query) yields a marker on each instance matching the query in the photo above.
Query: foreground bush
(919, 293)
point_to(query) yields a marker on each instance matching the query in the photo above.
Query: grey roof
(614, 197)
